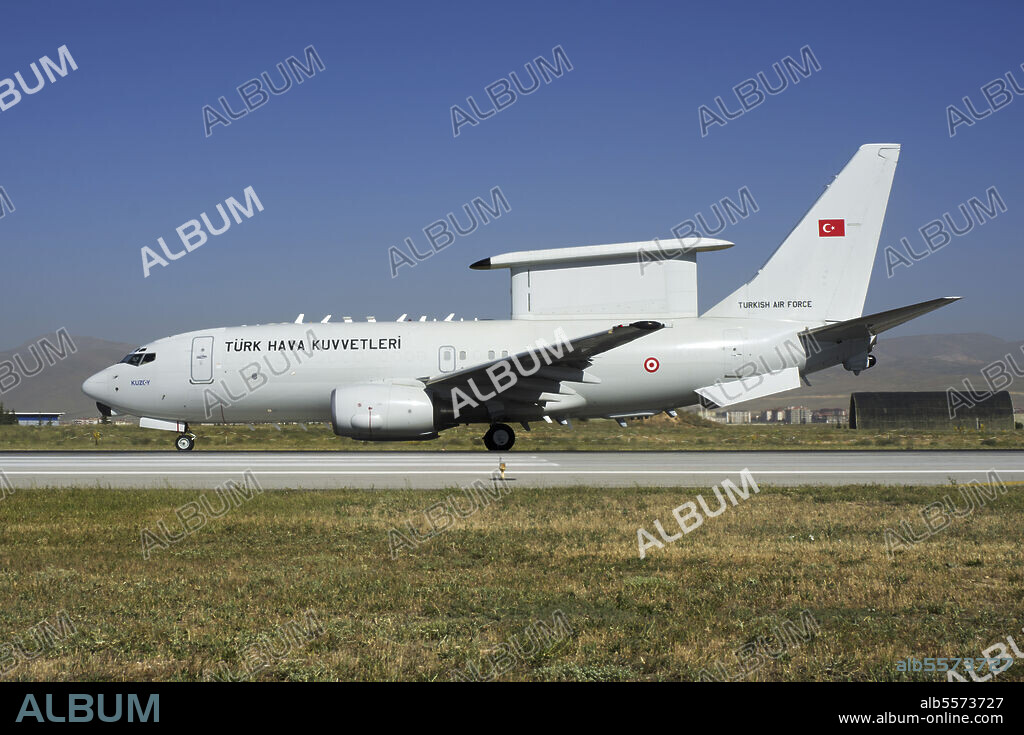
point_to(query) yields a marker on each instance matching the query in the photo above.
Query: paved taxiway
(401, 469)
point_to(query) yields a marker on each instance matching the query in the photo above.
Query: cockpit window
(139, 357)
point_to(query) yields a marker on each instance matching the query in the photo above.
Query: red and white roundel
(651, 364)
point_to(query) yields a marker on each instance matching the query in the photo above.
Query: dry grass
(453, 600)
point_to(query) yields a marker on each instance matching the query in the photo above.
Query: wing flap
(754, 386)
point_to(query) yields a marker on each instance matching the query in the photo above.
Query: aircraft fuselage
(286, 372)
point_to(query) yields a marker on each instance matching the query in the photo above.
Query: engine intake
(383, 412)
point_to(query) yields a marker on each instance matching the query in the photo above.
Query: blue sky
(354, 160)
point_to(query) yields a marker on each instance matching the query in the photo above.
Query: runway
(401, 469)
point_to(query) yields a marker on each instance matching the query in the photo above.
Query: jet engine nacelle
(859, 362)
(383, 411)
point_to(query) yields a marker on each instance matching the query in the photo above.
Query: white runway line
(512, 472)
(326, 470)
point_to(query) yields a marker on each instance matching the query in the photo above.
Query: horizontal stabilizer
(754, 386)
(872, 324)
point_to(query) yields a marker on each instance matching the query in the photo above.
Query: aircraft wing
(872, 324)
(575, 355)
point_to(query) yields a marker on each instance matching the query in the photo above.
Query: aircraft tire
(184, 443)
(499, 438)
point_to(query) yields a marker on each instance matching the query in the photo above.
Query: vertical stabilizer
(821, 270)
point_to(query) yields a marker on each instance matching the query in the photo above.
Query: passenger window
(490, 354)
(462, 354)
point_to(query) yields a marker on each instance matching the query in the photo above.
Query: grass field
(685, 433)
(209, 602)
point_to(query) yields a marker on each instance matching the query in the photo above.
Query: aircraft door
(446, 358)
(202, 360)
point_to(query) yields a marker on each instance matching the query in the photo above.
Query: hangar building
(931, 410)
(39, 418)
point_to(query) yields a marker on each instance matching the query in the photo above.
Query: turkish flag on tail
(831, 228)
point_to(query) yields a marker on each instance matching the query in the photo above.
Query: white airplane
(601, 331)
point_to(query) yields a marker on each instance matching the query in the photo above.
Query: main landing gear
(499, 438)
(186, 441)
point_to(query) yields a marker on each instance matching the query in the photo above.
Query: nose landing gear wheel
(185, 442)
(499, 438)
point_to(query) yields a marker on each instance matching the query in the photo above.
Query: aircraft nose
(95, 386)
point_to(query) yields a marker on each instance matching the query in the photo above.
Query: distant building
(30, 418)
(737, 417)
(836, 416)
(931, 410)
(119, 421)
(799, 415)
(707, 413)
